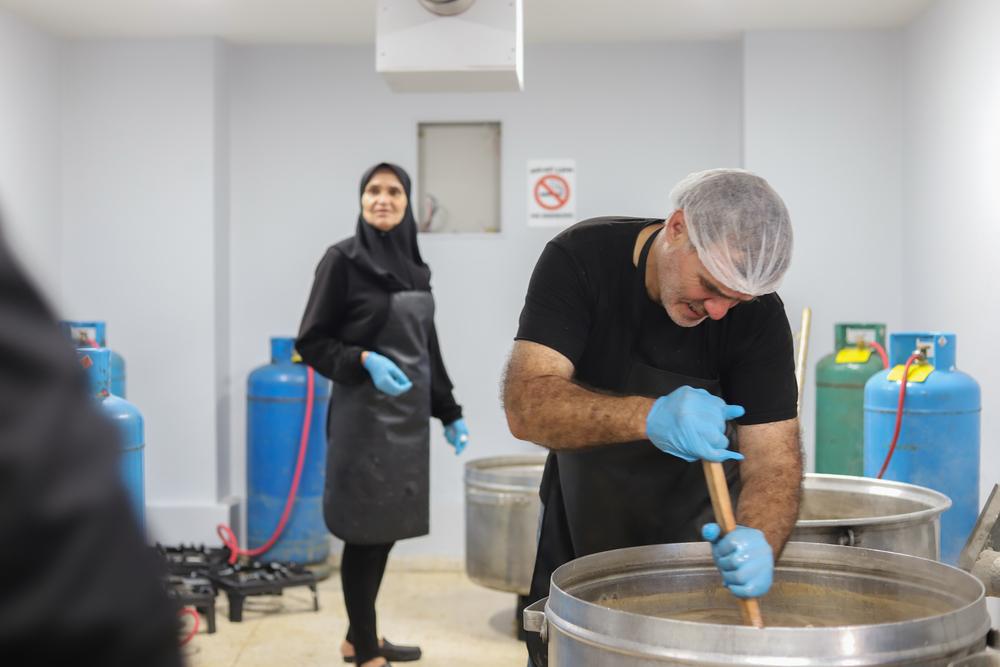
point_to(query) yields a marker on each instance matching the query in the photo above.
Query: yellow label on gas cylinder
(854, 355)
(918, 372)
(296, 357)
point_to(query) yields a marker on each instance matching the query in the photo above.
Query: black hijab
(392, 257)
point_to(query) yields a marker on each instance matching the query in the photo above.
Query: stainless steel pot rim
(489, 472)
(935, 501)
(498, 494)
(752, 639)
(743, 632)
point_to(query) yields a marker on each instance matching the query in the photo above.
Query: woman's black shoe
(390, 651)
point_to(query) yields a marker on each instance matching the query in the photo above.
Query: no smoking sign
(551, 192)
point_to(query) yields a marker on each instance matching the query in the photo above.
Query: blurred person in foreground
(77, 583)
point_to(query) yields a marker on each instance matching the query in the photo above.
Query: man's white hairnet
(739, 226)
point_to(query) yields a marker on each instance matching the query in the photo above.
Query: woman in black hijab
(369, 327)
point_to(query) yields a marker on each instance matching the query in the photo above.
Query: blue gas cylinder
(276, 403)
(97, 363)
(938, 444)
(93, 333)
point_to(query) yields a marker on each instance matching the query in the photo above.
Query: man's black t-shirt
(586, 301)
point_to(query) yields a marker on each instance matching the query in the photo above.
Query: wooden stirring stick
(722, 505)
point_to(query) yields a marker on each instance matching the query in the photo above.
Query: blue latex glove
(691, 424)
(386, 375)
(743, 557)
(457, 434)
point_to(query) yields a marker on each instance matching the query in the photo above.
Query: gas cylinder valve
(922, 352)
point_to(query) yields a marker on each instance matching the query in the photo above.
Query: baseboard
(424, 564)
(400, 561)
(406, 562)
(191, 523)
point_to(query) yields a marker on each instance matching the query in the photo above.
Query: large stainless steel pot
(647, 607)
(501, 520)
(871, 513)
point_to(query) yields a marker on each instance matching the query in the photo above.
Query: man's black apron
(621, 495)
(377, 470)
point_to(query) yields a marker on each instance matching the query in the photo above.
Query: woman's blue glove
(386, 375)
(457, 434)
(743, 557)
(691, 424)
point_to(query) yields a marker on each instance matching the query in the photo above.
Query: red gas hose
(899, 413)
(881, 353)
(226, 533)
(197, 623)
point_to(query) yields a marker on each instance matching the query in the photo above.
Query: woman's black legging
(361, 570)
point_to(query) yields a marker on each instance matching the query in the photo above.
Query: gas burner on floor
(194, 590)
(255, 578)
(190, 559)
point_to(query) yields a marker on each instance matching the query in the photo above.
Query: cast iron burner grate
(191, 559)
(194, 590)
(256, 578)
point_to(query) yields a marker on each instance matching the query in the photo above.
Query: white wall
(822, 124)
(951, 193)
(306, 122)
(196, 266)
(29, 148)
(140, 202)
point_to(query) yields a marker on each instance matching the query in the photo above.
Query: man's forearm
(763, 505)
(772, 481)
(559, 414)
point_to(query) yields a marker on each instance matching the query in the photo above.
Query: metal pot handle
(534, 619)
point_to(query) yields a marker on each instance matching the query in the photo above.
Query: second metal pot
(501, 520)
(871, 513)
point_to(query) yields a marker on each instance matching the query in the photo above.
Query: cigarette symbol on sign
(551, 192)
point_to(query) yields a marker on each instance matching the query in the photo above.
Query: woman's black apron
(622, 495)
(378, 467)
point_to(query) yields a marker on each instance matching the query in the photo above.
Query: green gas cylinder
(840, 394)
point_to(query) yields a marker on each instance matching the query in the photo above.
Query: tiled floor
(453, 620)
